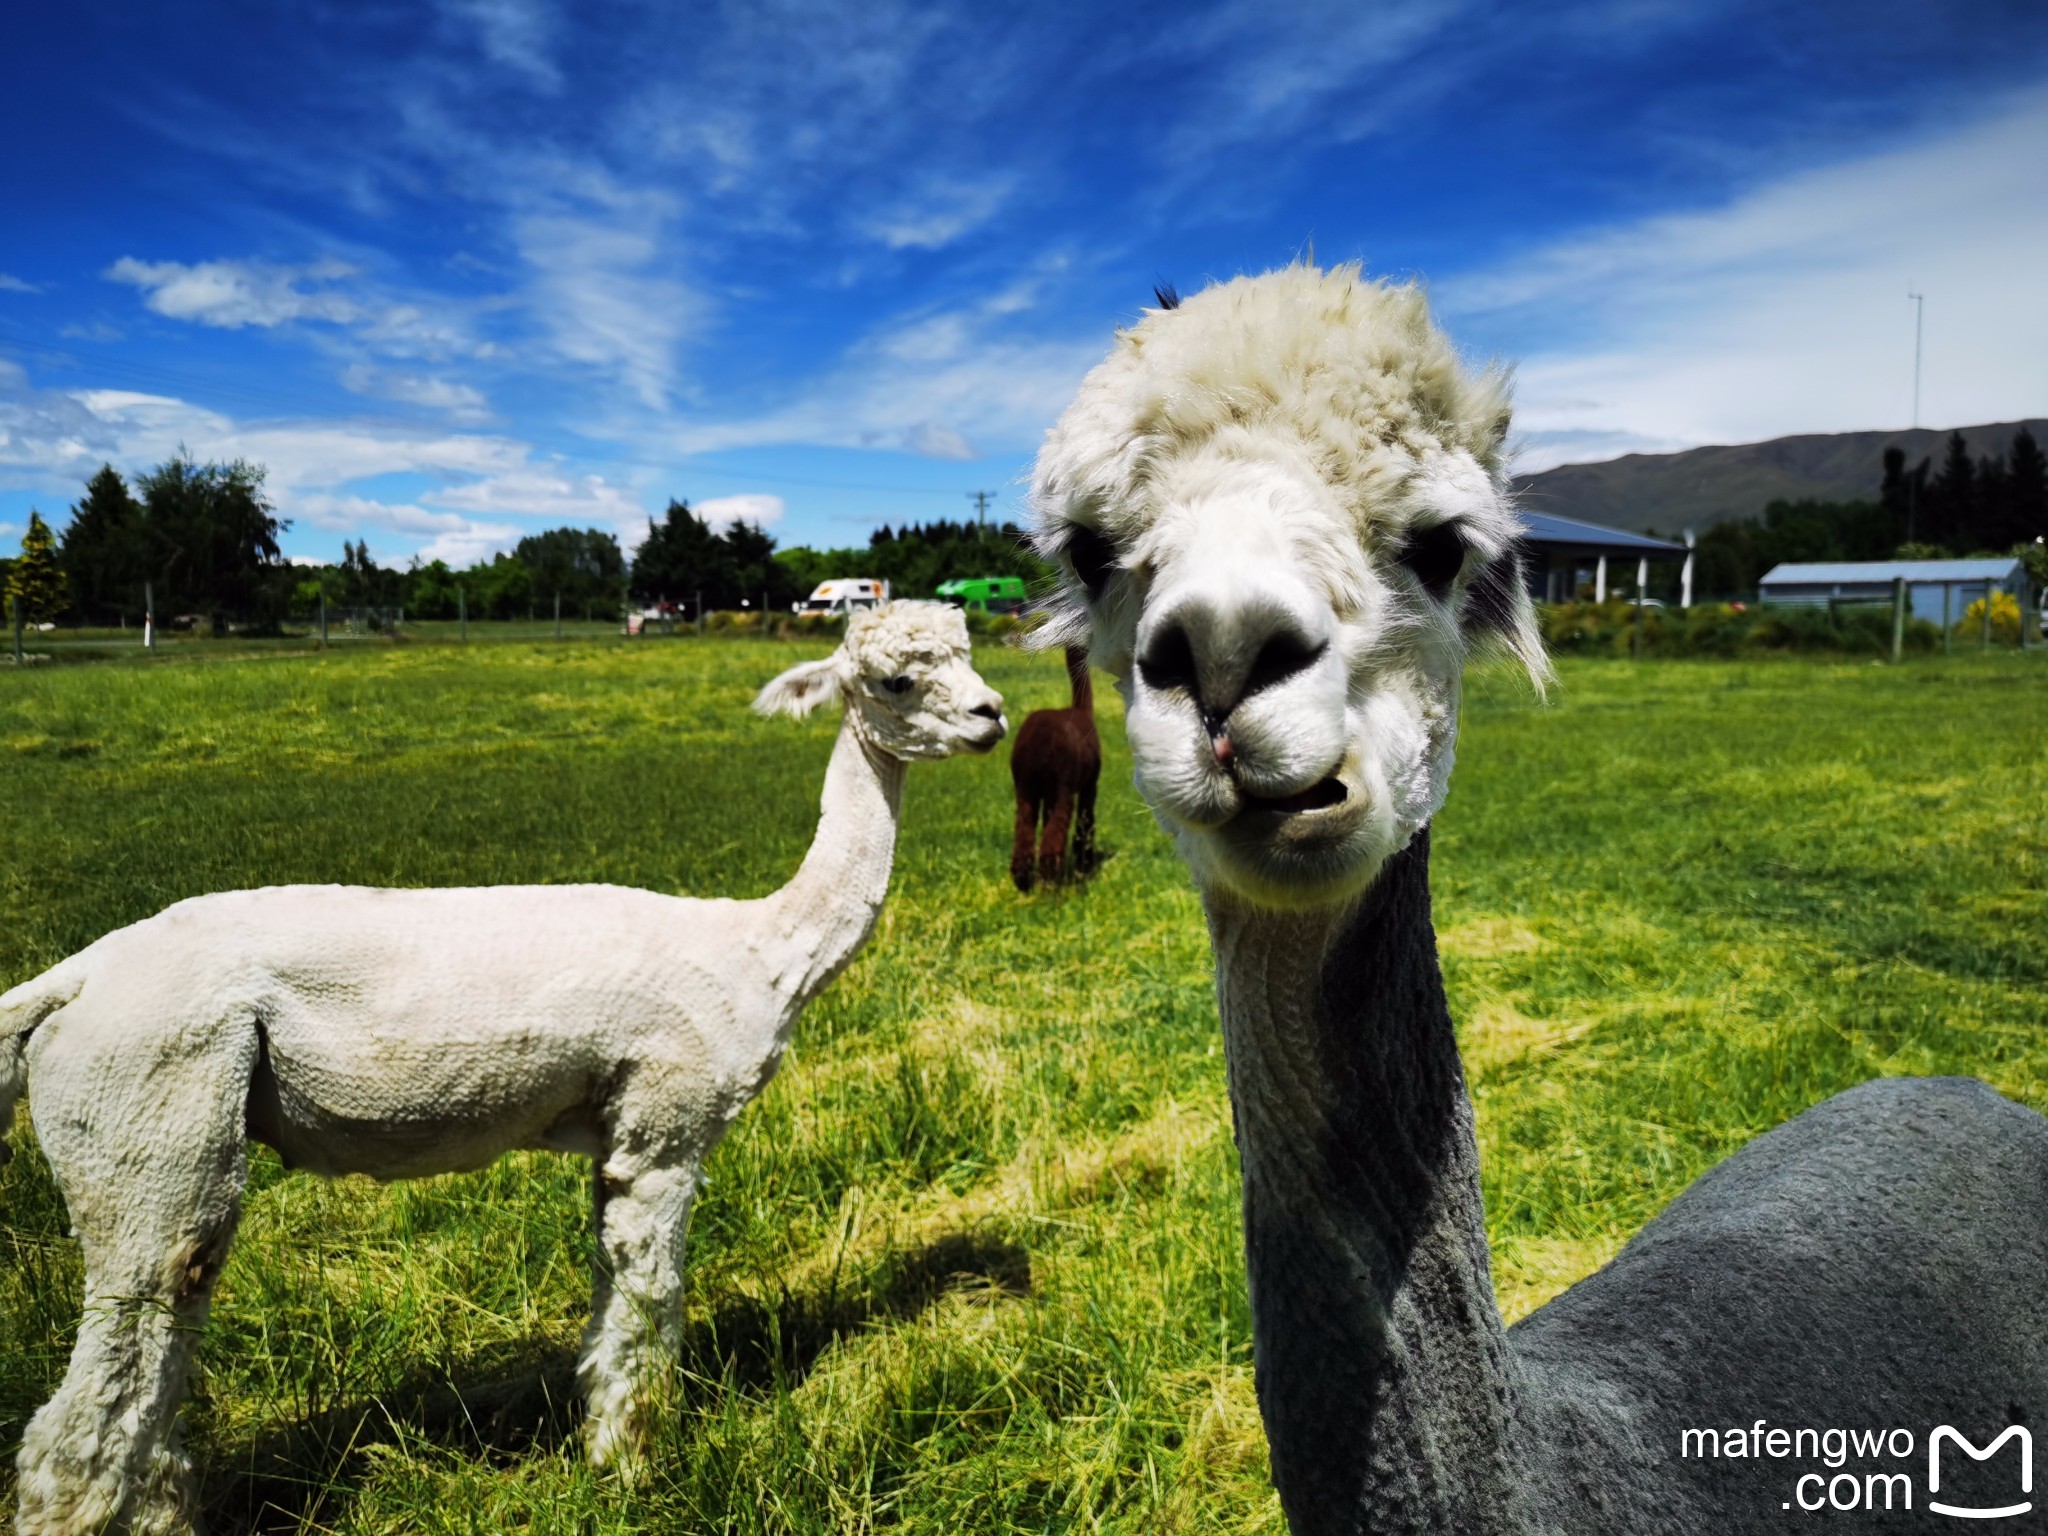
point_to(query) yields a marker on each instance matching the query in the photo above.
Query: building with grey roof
(1561, 552)
(1936, 590)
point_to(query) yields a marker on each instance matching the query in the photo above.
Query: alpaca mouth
(1317, 797)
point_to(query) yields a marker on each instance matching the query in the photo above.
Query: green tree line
(1992, 505)
(204, 538)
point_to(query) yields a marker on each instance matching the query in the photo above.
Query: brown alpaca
(1054, 765)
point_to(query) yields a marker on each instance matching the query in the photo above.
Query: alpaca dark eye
(896, 684)
(1092, 558)
(1434, 557)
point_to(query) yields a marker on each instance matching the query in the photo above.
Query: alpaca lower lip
(1317, 797)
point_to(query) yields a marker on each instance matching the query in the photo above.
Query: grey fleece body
(1878, 1263)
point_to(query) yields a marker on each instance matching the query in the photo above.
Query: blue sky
(459, 271)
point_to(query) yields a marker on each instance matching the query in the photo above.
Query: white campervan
(836, 599)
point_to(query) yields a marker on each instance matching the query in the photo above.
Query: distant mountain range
(1667, 493)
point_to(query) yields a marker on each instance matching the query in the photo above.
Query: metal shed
(1936, 590)
(1562, 551)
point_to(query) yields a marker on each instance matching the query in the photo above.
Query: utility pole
(1919, 310)
(981, 500)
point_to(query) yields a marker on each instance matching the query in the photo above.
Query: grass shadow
(292, 1477)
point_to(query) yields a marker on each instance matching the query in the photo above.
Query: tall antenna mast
(1919, 308)
(981, 500)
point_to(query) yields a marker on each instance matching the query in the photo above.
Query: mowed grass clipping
(972, 1262)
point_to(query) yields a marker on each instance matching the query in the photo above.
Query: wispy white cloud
(947, 384)
(938, 214)
(484, 493)
(1291, 73)
(229, 295)
(516, 34)
(1785, 310)
(11, 284)
(750, 507)
(461, 403)
(232, 294)
(932, 440)
(598, 290)
(460, 541)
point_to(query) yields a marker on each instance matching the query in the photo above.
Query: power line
(981, 500)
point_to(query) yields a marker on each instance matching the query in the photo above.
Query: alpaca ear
(801, 689)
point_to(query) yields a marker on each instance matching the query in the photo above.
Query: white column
(1600, 581)
(1642, 577)
(1685, 575)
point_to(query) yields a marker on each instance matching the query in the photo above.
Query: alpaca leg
(152, 1166)
(636, 1312)
(1052, 843)
(1084, 829)
(1021, 844)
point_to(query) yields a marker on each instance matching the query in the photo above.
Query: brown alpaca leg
(1084, 830)
(1020, 845)
(1052, 842)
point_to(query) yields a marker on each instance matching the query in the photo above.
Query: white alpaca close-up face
(1282, 530)
(906, 673)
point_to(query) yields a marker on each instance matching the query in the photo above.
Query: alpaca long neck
(824, 915)
(1383, 1371)
(1077, 676)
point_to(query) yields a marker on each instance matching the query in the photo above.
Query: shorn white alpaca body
(400, 1033)
(1282, 513)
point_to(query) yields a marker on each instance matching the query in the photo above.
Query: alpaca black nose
(987, 711)
(1220, 665)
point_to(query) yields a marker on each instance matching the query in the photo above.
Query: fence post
(462, 611)
(14, 617)
(1642, 583)
(558, 615)
(700, 613)
(323, 618)
(1898, 617)
(1985, 643)
(1948, 596)
(148, 617)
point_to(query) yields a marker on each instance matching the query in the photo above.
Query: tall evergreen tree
(215, 536)
(757, 577)
(1989, 529)
(584, 565)
(1952, 498)
(681, 557)
(106, 551)
(35, 579)
(2026, 490)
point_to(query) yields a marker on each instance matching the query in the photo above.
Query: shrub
(2005, 619)
(1722, 629)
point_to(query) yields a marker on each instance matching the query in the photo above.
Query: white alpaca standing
(401, 1033)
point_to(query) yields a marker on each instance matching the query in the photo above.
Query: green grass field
(971, 1263)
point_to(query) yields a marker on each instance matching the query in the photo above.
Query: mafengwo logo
(1871, 1470)
(1945, 1434)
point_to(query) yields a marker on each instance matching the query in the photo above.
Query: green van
(985, 594)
